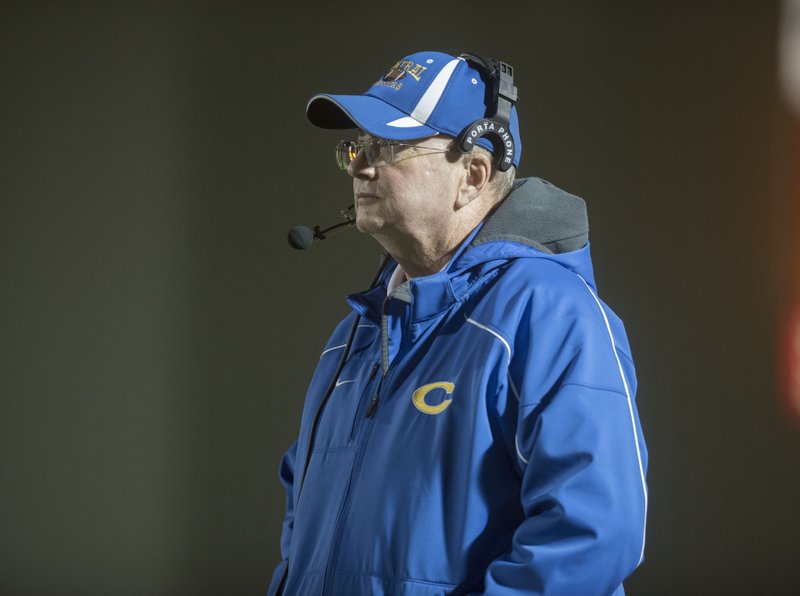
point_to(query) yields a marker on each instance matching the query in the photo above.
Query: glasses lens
(379, 152)
(346, 152)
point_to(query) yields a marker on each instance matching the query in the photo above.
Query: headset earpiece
(501, 138)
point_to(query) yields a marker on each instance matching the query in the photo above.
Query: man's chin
(367, 225)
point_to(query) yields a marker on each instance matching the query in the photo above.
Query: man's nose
(359, 167)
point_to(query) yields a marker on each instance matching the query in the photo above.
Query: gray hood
(538, 214)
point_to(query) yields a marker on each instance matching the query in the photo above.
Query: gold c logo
(419, 397)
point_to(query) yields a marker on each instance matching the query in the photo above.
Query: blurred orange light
(791, 363)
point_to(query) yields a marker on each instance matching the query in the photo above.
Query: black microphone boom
(301, 237)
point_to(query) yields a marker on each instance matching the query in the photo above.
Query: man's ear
(477, 171)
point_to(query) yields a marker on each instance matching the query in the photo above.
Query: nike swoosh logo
(339, 382)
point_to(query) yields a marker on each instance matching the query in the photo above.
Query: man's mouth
(365, 196)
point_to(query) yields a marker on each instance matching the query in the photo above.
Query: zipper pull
(373, 405)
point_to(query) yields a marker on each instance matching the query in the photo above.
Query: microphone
(301, 237)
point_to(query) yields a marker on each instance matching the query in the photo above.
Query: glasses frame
(385, 155)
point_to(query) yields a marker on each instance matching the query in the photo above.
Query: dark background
(157, 333)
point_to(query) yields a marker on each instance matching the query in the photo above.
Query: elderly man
(471, 425)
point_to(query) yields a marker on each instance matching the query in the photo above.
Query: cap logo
(394, 75)
(399, 71)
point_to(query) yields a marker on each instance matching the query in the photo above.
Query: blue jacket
(482, 436)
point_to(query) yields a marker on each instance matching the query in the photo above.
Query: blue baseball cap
(422, 95)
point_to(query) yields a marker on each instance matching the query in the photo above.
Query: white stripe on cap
(405, 122)
(431, 97)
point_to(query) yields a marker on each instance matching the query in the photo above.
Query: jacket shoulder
(541, 281)
(538, 295)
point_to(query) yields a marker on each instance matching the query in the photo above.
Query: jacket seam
(584, 386)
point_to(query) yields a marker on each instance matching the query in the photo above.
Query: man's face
(411, 198)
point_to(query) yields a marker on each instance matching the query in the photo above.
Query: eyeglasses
(379, 152)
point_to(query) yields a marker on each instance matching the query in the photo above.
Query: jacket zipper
(333, 554)
(373, 405)
(354, 474)
(366, 392)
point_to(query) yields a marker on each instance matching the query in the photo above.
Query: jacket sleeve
(580, 452)
(287, 479)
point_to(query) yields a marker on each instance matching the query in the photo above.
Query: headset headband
(501, 97)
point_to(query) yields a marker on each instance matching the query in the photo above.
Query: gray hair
(500, 183)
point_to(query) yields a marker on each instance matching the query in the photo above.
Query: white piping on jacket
(331, 349)
(519, 453)
(510, 380)
(495, 333)
(343, 345)
(630, 410)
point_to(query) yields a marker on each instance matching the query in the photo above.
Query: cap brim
(370, 114)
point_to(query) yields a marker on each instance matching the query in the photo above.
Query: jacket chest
(434, 386)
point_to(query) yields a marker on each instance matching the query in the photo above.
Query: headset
(501, 95)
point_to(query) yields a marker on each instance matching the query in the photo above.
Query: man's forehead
(365, 136)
